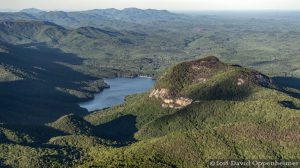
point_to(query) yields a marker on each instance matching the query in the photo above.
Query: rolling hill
(72, 124)
(129, 18)
(24, 32)
(198, 110)
(161, 38)
(122, 51)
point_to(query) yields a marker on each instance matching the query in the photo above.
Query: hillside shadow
(35, 99)
(39, 133)
(289, 104)
(288, 82)
(2, 165)
(223, 90)
(121, 129)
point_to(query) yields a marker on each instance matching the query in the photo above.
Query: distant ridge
(31, 10)
(100, 18)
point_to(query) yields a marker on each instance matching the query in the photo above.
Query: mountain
(120, 51)
(165, 38)
(31, 11)
(197, 81)
(201, 110)
(129, 18)
(24, 32)
(134, 15)
(198, 110)
(27, 32)
(10, 16)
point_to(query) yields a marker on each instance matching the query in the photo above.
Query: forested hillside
(226, 87)
(230, 113)
(146, 41)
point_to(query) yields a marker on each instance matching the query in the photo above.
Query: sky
(184, 5)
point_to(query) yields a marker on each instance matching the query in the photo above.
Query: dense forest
(227, 87)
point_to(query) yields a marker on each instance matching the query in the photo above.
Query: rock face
(159, 93)
(167, 101)
(240, 81)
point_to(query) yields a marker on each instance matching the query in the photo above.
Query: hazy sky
(156, 4)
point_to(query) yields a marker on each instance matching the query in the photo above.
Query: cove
(119, 88)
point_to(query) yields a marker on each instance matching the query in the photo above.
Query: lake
(119, 89)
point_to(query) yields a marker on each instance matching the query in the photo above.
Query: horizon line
(171, 10)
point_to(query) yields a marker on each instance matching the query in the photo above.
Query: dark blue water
(119, 89)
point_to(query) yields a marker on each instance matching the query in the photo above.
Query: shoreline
(84, 101)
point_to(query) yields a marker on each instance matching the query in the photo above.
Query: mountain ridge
(201, 108)
(142, 132)
(31, 10)
(74, 19)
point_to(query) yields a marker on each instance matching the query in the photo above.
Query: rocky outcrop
(167, 101)
(159, 93)
(240, 82)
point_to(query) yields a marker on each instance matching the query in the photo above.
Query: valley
(226, 86)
